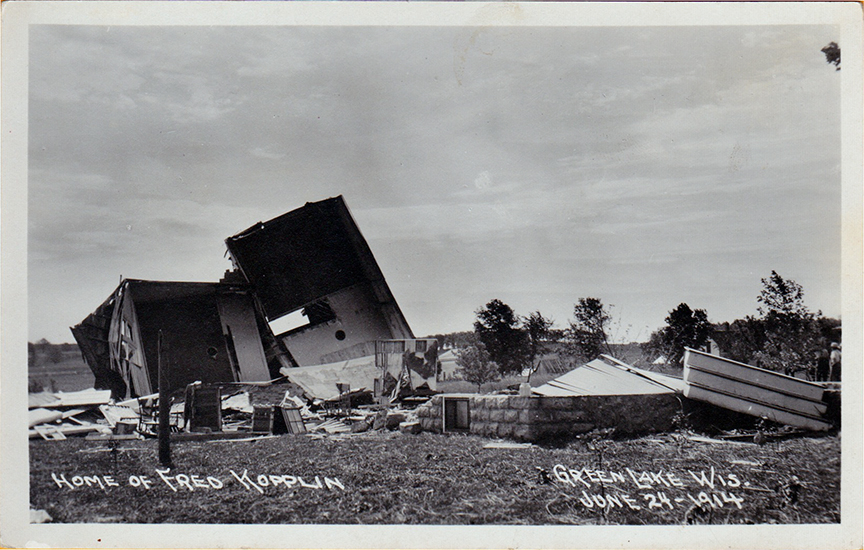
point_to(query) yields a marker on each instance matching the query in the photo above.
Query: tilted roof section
(306, 254)
(601, 378)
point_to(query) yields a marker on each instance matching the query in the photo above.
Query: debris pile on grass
(250, 410)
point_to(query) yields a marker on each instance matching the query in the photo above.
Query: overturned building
(210, 332)
(312, 262)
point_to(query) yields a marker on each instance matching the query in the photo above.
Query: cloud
(545, 164)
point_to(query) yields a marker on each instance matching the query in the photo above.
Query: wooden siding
(754, 391)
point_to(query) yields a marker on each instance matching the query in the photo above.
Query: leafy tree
(832, 54)
(55, 353)
(742, 338)
(497, 327)
(475, 365)
(453, 339)
(791, 330)
(587, 335)
(538, 330)
(781, 298)
(685, 327)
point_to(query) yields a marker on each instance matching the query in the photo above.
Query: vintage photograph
(483, 273)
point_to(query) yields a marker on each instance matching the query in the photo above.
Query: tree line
(783, 336)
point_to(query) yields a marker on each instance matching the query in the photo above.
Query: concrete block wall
(535, 418)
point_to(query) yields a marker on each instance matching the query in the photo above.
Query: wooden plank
(238, 323)
(293, 420)
(42, 416)
(755, 393)
(754, 409)
(262, 420)
(748, 373)
(700, 439)
(208, 436)
(48, 432)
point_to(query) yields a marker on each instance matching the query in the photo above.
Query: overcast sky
(643, 166)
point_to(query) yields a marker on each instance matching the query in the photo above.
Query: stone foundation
(538, 418)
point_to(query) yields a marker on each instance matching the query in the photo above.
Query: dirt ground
(394, 478)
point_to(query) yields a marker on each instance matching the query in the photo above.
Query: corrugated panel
(754, 391)
(600, 378)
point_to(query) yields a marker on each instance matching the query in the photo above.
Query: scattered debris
(40, 516)
(700, 439)
(331, 426)
(410, 427)
(757, 489)
(237, 402)
(545, 479)
(507, 445)
(791, 490)
(256, 438)
(745, 463)
(115, 414)
(698, 515)
(42, 416)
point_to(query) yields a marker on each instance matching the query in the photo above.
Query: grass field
(69, 373)
(393, 478)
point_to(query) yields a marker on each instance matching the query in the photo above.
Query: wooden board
(293, 420)
(753, 375)
(262, 420)
(755, 409)
(755, 393)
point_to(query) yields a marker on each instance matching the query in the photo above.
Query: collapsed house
(349, 339)
(312, 261)
(315, 261)
(210, 332)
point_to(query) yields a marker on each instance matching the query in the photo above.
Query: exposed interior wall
(193, 344)
(359, 320)
(539, 418)
(315, 258)
(240, 330)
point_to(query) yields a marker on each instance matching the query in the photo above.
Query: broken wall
(209, 331)
(358, 322)
(315, 259)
